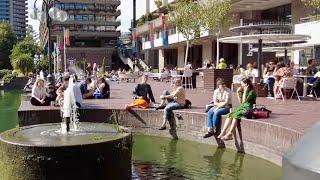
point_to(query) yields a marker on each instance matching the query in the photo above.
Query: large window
(79, 6)
(280, 13)
(78, 18)
(69, 6)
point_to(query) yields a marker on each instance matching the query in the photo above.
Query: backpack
(187, 103)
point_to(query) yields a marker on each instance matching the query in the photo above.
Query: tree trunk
(186, 57)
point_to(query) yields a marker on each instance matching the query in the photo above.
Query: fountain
(70, 150)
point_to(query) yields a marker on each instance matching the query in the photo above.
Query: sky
(125, 17)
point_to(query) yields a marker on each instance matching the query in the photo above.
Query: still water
(164, 158)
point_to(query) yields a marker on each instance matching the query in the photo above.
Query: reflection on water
(163, 158)
(9, 104)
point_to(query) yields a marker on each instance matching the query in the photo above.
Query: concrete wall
(181, 52)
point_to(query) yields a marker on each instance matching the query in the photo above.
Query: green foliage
(215, 14)
(312, 3)
(43, 63)
(158, 3)
(7, 39)
(23, 62)
(8, 77)
(3, 72)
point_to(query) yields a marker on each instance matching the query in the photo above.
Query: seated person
(39, 95)
(280, 72)
(312, 67)
(251, 72)
(221, 104)
(171, 101)
(267, 77)
(61, 90)
(30, 83)
(103, 90)
(142, 94)
(248, 98)
(86, 94)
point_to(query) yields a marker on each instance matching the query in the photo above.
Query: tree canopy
(312, 3)
(7, 39)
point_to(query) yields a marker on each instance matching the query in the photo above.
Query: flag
(59, 42)
(165, 29)
(151, 35)
(67, 36)
(134, 41)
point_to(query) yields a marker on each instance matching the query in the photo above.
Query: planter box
(210, 77)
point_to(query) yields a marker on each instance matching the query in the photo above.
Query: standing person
(89, 69)
(222, 64)
(248, 98)
(268, 79)
(142, 95)
(94, 70)
(171, 101)
(86, 94)
(39, 95)
(221, 104)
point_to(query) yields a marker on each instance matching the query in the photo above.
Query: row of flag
(62, 41)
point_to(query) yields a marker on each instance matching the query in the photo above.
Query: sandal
(227, 138)
(209, 134)
(162, 128)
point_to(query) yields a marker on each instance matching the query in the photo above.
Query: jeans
(172, 105)
(270, 84)
(214, 116)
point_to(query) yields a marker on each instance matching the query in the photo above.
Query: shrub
(8, 77)
(4, 72)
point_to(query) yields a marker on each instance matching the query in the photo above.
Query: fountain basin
(96, 151)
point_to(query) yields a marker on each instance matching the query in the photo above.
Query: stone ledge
(260, 138)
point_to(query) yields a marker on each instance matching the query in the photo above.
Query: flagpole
(64, 50)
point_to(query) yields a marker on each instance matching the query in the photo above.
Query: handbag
(259, 111)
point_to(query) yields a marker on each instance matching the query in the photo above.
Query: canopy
(266, 38)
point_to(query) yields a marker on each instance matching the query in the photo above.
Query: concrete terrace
(292, 114)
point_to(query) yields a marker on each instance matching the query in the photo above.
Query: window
(91, 17)
(85, 17)
(85, 27)
(79, 6)
(91, 28)
(69, 6)
(71, 17)
(78, 18)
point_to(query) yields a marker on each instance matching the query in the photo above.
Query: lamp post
(47, 15)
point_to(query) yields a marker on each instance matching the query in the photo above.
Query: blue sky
(125, 7)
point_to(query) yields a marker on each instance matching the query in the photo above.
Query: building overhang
(255, 5)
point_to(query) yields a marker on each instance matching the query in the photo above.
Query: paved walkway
(291, 114)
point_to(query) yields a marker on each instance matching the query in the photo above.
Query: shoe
(160, 107)
(162, 128)
(209, 134)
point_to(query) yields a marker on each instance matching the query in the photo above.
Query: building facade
(244, 11)
(93, 29)
(15, 12)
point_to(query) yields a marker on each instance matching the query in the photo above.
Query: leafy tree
(24, 63)
(312, 3)
(7, 39)
(186, 16)
(158, 3)
(43, 63)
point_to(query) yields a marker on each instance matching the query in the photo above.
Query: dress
(248, 104)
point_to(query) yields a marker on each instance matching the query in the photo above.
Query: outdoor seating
(187, 79)
(312, 90)
(288, 84)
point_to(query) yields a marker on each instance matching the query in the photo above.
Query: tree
(7, 39)
(24, 63)
(43, 63)
(312, 3)
(158, 3)
(186, 16)
(216, 14)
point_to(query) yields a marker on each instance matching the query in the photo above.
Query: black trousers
(35, 102)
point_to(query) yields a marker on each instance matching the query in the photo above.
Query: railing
(309, 19)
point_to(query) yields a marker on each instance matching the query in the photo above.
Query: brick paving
(291, 114)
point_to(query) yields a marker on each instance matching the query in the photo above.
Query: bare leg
(228, 136)
(225, 127)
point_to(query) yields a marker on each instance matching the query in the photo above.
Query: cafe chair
(312, 91)
(174, 74)
(187, 79)
(290, 84)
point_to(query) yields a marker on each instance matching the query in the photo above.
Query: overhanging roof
(266, 38)
(249, 5)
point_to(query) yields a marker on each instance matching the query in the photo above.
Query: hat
(222, 60)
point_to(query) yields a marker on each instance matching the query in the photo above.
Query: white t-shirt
(222, 96)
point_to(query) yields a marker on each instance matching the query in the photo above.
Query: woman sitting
(142, 95)
(39, 95)
(248, 98)
(280, 72)
(171, 101)
(221, 104)
(61, 89)
(103, 90)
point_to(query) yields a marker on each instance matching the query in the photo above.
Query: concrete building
(92, 25)
(245, 11)
(15, 12)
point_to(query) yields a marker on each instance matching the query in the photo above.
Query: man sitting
(86, 94)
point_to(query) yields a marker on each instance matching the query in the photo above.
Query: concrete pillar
(181, 52)
(161, 59)
(147, 6)
(207, 51)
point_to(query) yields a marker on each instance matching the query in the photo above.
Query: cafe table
(305, 82)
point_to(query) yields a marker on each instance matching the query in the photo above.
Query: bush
(8, 77)
(4, 72)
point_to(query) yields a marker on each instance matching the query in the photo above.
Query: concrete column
(161, 59)
(181, 52)
(207, 51)
(147, 6)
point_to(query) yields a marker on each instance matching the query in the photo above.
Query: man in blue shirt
(86, 94)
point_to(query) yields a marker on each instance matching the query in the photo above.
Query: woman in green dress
(247, 98)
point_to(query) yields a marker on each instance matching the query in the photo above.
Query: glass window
(78, 17)
(79, 6)
(71, 16)
(91, 17)
(91, 28)
(85, 27)
(85, 17)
